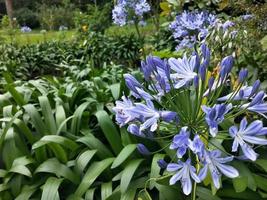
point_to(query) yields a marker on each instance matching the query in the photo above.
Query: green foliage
(52, 17)
(32, 61)
(26, 17)
(96, 18)
(5, 22)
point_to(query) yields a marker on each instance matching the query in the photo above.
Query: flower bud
(255, 87)
(196, 81)
(202, 72)
(211, 82)
(257, 99)
(143, 150)
(226, 66)
(162, 164)
(242, 75)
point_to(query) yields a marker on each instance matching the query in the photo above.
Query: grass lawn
(36, 36)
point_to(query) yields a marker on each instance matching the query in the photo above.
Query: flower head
(25, 29)
(128, 10)
(215, 164)
(183, 70)
(215, 115)
(248, 134)
(189, 27)
(184, 173)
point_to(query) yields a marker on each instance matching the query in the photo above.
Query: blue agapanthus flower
(63, 28)
(186, 106)
(129, 10)
(25, 29)
(190, 27)
(215, 115)
(184, 173)
(215, 164)
(248, 135)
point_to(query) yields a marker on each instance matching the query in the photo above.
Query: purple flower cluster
(190, 27)
(128, 10)
(182, 105)
(25, 29)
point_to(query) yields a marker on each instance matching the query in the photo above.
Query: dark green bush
(32, 61)
(52, 17)
(96, 18)
(27, 17)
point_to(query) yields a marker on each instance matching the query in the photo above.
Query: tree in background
(9, 9)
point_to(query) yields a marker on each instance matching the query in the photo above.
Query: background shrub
(26, 17)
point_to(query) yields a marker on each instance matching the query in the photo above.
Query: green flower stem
(140, 38)
(193, 197)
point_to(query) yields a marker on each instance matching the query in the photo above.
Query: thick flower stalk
(129, 11)
(188, 109)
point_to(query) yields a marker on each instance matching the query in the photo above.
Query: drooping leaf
(50, 189)
(106, 190)
(205, 194)
(128, 173)
(91, 175)
(123, 155)
(63, 141)
(109, 130)
(155, 170)
(83, 159)
(93, 143)
(55, 167)
(48, 116)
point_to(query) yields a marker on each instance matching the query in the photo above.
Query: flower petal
(233, 131)
(203, 173)
(187, 185)
(248, 152)
(235, 145)
(176, 177)
(172, 167)
(215, 174)
(253, 128)
(228, 170)
(255, 140)
(243, 124)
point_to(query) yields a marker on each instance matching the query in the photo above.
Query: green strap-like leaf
(261, 182)
(36, 119)
(93, 143)
(123, 155)
(55, 167)
(49, 119)
(128, 173)
(7, 127)
(60, 118)
(91, 175)
(27, 191)
(155, 170)
(106, 190)
(246, 173)
(63, 141)
(83, 159)
(76, 121)
(262, 163)
(115, 90)
(21, 169)
(15, 94)
(109, 130)
(23, 129)
(89, 195)
(50, 189)
(206, 194)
